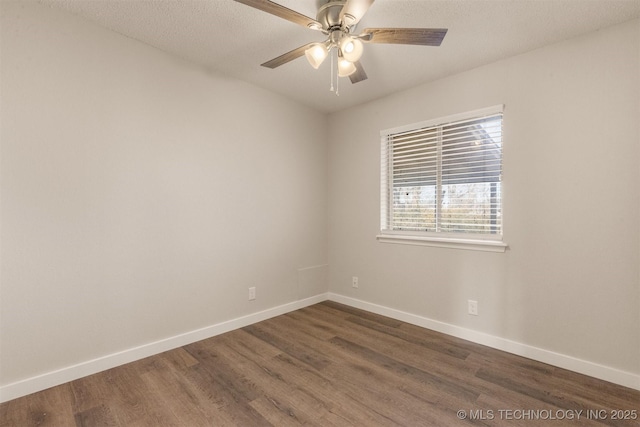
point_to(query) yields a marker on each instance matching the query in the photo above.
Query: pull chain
(332, 89)
(334, 72)
(337, 73)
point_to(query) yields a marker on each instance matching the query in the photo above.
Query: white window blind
(444, 177)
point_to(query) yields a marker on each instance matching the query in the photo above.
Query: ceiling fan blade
(283, 12)
(359, 75)
(419, 36)
(353, 11)
(287, 57)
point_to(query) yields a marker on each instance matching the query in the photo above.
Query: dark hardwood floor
(328, 365)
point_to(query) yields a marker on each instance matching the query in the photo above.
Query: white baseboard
(70, 373)
(90, 367)
(585, 367)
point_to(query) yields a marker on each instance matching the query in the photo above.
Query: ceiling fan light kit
(345, 67)
(351, 48)
(316, 54)
(338, 20)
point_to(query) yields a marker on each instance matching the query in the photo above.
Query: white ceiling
(233, 39)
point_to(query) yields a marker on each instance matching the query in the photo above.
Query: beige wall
(141, 197)
(569, 282)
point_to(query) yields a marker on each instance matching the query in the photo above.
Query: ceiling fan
(338, 20)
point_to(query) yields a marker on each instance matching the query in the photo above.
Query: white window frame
(480, 242)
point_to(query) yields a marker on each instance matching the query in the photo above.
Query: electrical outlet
(354, 281)
(252, 293)
(472, 307)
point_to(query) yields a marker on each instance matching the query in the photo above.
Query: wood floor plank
(417, 354)
(215, 376)
(324, 365)
(176, 401)
(362, 397)
(180, 358)
(349, 370)
(358, 397)
(322, 388)
(310, 391)
(550, 396)
(100, 415)
(351, 311)
(403, 369)
(51, 407)
(301, 352)
(277, 412)
(391, 339)
(431, 344)
(552, 378)
(393, 349)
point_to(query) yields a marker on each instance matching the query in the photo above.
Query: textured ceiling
(233, 39)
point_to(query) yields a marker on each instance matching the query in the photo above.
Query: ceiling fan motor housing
(329, 15)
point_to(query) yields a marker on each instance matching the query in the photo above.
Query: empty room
(319, 212)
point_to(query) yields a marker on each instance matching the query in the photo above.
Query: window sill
(443, 242)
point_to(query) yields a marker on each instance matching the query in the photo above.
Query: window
(441, 182)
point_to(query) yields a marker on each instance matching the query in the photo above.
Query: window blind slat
(463, 158)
